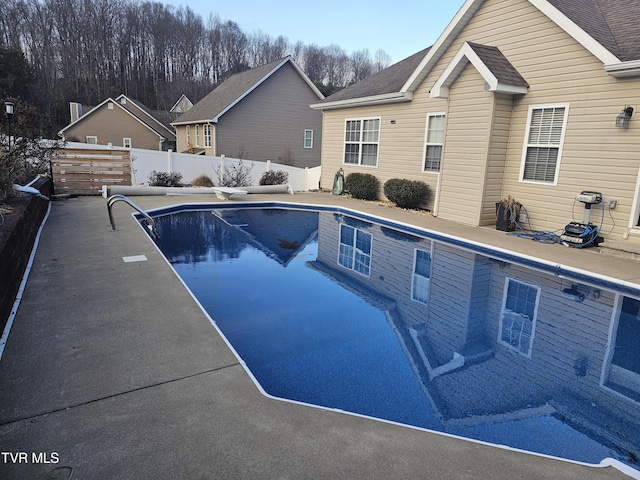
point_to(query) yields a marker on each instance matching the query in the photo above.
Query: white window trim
(633, 226)
(125, 141)
(91, 137)
(612, 337)
(426, 136)
(197, 135)
(355, 250)
(534, 320)
(344, 141)
(413, 274)
(310, 139)
(206, 133)
(560, 146)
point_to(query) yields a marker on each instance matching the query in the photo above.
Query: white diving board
(226, 192)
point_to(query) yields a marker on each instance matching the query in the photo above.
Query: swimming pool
(346, 311)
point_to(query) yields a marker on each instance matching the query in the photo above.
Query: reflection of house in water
(225, 233)
(493, 340)
(280, 234)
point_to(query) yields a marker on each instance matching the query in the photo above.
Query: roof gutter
(192, 122)
(624, 69)
(386, 98)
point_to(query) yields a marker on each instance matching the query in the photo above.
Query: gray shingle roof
(389, 80)
(495, 61)
(612, 23)
(225, 94)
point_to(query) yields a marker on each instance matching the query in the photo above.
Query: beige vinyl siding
(465, 152)
(271, 119)
(181, 138)
(596, 155)
(496, 161)
(401, 144)
(111, 126)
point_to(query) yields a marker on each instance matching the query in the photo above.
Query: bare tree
(381, 60)
(360, 65)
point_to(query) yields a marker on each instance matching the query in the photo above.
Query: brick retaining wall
(17, 236)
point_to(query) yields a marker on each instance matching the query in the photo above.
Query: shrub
(406, 193)
(274, 177)
(202, 181)
(362, 185)
(234, 175)
(165, 179)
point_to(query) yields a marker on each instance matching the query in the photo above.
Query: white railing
(143, 162)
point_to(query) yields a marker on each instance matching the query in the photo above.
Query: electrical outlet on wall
(612, 203)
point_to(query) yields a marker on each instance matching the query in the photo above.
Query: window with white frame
(206, 132)
(546, 126)
(518, 316)
(434, 142)
(188, 134)
(355, 249)
(126, 142)
(92, 139)
(308, 139)
(197, 135)
(361, 141)
(421, 276)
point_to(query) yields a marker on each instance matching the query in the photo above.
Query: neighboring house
(120, 122)
(181, 106)
(516, 97)
(260, 114)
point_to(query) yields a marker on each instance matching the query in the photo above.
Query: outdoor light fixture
(622, 120)
(9, 109)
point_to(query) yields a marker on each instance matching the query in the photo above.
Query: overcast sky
(400, 29)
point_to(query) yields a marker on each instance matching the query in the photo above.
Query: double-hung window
(421, 275)
(355, 249)
(188, 134)
(546, 128)
(361, 141)
(434, 142)
(308, 139)
(197, 135)
(518, 317)
(206, 131)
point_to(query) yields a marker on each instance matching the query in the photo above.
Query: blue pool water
(353, 313)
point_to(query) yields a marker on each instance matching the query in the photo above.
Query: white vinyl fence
(143, 162)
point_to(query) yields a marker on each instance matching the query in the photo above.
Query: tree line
(88, 50)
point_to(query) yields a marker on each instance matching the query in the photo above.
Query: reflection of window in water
(625, 363)
(355, 249)
(421, 274)
(517, 321)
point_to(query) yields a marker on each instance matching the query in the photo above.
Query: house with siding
(260, 114)
(120, 121)
(516, 97)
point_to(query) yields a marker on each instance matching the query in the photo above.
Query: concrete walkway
(112, 371)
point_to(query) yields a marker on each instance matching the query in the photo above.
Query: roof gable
(157, 120)
(500, 76)
(226, 95)
(591, 23)
(143, 117)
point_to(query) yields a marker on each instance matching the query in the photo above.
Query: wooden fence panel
(84, 171)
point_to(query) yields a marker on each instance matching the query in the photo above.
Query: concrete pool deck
(112, 370)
